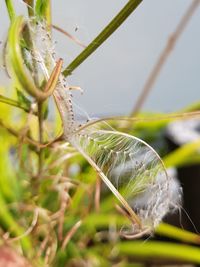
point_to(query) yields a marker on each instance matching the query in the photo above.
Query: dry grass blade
(70, 234)
(166, 117)
(54, 77)
(73, 38)
(97, 194)
(164, 55)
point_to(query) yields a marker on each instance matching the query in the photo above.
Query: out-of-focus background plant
(53, 207)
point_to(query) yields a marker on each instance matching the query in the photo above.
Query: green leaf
(12, 102)
(177, 233)
(182, 155)
(10, 8)
(159, 250)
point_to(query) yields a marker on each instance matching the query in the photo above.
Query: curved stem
(19, 68)
(73, 38)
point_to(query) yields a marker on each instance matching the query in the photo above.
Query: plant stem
(10, 9)
(30, 7)
(73, 38)
(43, 11)
(40, 126)
(103, 36)
(48, 14)
(13, 103)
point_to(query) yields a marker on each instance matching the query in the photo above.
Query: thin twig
(97, 194)
(70, 234)
(63, 206)
(30, 4)
(167, 117)
(164, 55)
(73, 38)
(54, 77)
(43, 246)
(14, 103)
(133, 235)
(40, 126)
(28, 139)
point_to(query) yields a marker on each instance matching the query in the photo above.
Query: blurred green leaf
(158, 250)
(182, 155)
(177, 233)
(9, 223)
(8, 180)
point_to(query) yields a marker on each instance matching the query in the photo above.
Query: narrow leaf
(177, 233)
(14, 103)
(159, 251)
(10, 8)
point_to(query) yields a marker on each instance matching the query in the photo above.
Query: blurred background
(113, 77)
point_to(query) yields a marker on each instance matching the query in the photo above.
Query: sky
(113, 77)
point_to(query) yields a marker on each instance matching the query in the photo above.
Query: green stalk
(43, 10)
(13, 103)
(171, 231)
(159, 251)
(10, 9)
(30, 7)
(48, 13)
(40, 127)
(103, 36)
